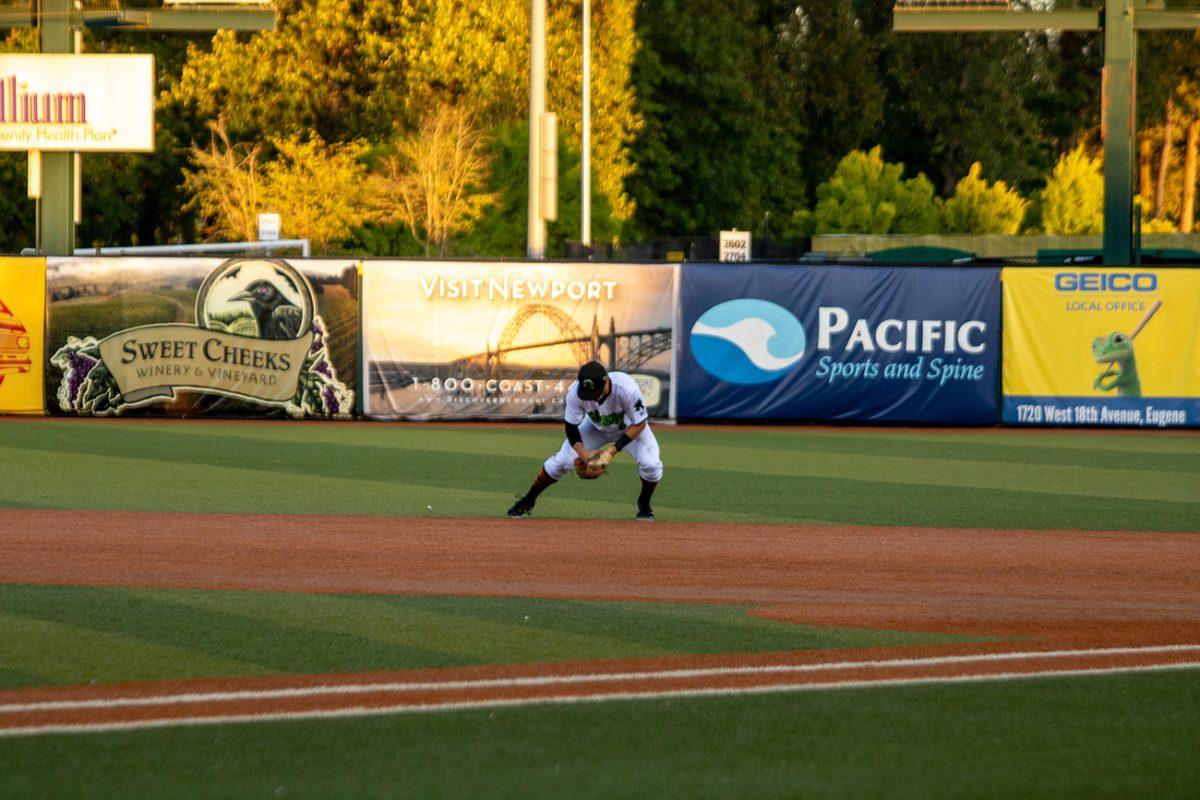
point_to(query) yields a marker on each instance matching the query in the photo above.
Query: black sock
(648, 488)
(540, 484)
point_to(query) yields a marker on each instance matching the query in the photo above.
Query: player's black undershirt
(573, 434)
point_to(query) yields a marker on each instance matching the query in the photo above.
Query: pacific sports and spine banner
(480, 340)
(1102, 346)
(202, 337)
(22, 329)
(839, 343)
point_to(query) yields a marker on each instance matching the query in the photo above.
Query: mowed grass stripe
(1154, 450)
(445, 465)
(153, 617)
(38, 651)
(404, 624)
(1096, 736)
(983, 474)
(688, 495)
(675, 627)
(274, 471)
(374, 447)
(115, 634)
(201, 489)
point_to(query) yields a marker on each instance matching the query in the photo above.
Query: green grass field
(1122, 736)
(78, 635)
(1111, 736)
(985, 479)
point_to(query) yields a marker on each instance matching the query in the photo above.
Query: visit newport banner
(22, 328)
(202, 337)
(1102, 346)
(839, 343)
(487, 340)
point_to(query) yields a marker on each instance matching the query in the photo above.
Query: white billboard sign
(88, 103)
(734, 246)
(268, 227)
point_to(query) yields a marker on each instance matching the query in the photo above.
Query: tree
(371, 70)
(1073, 200)
(978, 207)
(226, 187)
(317, 189)
(956, 99)
(868, 195)
(719, 146)
(831, 79)
(431, 183)
(502, 230)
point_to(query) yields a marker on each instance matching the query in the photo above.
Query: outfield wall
(22, 333)
(463, 340)
(340, 338)
(188, 337)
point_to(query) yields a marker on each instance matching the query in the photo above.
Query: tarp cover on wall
(22, 328)
(1102, 346)
(839, 343)
(478, 340)
(199, 337)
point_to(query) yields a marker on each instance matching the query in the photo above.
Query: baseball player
(605, 414)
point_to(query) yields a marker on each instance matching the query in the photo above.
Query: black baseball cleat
(645, 512)
(522, 508)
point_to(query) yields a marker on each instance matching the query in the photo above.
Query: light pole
(536, 237)
(585, 202)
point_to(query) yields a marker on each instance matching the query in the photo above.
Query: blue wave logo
(748, 341)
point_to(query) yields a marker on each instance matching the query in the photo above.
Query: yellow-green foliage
(868, 195)
(319, 190)
(370, 69)
(1073, 200)
(978, 207)
(431, 183)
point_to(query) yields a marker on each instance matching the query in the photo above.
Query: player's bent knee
(651, 472)
(555, 468)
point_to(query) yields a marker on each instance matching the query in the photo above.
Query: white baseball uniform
(600, 423)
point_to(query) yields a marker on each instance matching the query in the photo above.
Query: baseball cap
(591, 380)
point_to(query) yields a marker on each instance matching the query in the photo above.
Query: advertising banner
(1102, 346)
(839, 343)
(475, 340)
(203, 337)
(77, 103)
(22, 329)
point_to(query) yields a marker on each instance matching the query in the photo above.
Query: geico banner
(839, 343)
(1102, 346)
(474, 340)
(22, 327)
(203, 337)
(91, 103)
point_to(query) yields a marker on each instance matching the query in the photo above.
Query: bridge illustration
(625, 351)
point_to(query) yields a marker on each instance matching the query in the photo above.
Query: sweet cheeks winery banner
(839, 343)
(1102, 346)
(459, 340)
(194, 337)
(22, 324)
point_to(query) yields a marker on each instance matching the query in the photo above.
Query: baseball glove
(597, 465)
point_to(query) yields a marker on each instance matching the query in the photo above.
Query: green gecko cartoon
(1116, 350)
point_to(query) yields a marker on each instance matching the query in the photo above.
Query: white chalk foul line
(469, 705)
(332, 690)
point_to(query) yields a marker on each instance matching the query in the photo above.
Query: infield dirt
(1028, 590)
